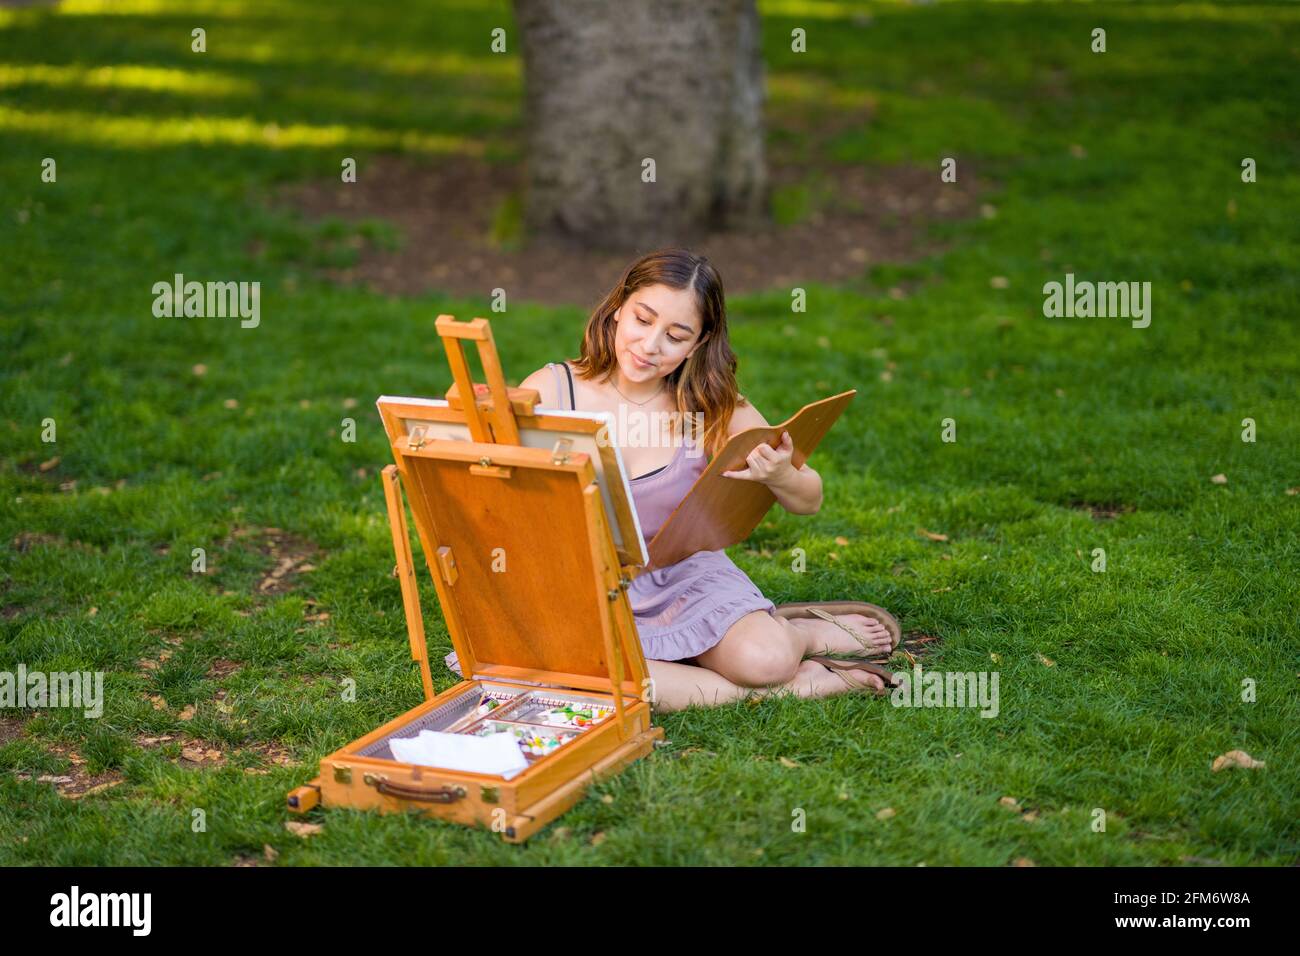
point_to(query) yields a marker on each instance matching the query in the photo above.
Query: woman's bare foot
(831, 682)
(813, 680)
(826, 638)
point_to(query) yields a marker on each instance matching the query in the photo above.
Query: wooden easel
(560, 619)
(493, 419)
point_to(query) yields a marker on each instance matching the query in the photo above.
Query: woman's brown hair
(706, 382)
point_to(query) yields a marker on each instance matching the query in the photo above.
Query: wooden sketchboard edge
(687, 529)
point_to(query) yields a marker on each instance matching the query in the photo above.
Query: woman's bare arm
(797, 490)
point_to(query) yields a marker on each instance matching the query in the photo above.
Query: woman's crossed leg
(760, 654)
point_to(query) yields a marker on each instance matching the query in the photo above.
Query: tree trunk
(610, 85)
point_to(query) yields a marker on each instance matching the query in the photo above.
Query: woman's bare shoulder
(544, 381)
(745, 416)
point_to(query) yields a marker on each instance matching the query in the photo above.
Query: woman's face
(657, 330)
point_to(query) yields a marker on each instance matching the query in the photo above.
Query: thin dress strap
(559, 383)
(573, 403)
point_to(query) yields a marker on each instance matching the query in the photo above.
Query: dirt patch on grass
(12, 728)
(920, 644)
(76, 785)
(1102, 511)
(25, 541)
(289, 555)
(269, 753)
(78, 781)
(222, 668)
(195, 753)
(848, 217)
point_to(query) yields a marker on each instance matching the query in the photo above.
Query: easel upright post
(406, 575)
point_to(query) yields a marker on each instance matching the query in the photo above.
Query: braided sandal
(823, 610)
(839, 664)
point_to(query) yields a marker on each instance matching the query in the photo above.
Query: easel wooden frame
(553, 784)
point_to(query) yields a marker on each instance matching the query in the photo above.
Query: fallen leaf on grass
(158, 702)
(187, 713)
(933, 536)
(1047, 661)
(598, 838)
(285, 565)
(786, 762)
(1219, 479)
(886, 813)
(52, 463)
(303, 830)
(200, 754)
(270, 853)
(98, 789)
(1236, 758)
(1023, 861)
(841, 540)
(1010, 802)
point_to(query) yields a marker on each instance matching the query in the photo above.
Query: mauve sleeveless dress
(686, 608)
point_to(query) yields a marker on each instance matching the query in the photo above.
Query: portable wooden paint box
(533, 590)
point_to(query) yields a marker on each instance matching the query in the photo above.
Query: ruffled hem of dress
(691, 640)
(701, 584)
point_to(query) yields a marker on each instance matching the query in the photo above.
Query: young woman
(656, 347)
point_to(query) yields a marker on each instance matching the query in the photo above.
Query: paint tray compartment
(455, 716)
(536, 742)
(563, 711)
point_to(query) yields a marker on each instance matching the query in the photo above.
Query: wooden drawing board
(718, 511)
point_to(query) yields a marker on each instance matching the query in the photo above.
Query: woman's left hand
(767, 464)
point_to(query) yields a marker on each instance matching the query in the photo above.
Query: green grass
(164, 166)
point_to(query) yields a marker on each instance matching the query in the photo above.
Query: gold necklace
(633, 401)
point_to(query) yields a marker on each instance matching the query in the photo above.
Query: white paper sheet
(495, 754)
